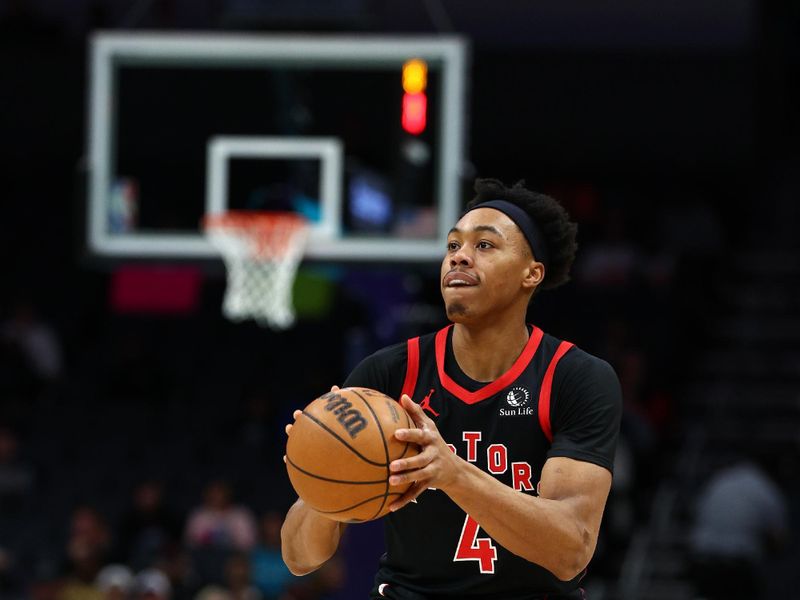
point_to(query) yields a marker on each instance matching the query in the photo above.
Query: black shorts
(391, 591)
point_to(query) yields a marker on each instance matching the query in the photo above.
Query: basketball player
(517, 429)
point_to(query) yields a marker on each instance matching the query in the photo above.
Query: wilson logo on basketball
(349, 418)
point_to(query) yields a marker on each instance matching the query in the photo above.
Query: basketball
(339, 451)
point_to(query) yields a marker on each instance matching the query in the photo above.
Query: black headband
(526, 224)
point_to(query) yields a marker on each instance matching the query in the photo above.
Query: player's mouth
(459, 279)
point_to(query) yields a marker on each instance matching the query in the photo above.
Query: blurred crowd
(82, 519)
(221, 551)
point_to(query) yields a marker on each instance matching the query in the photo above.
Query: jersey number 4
(471, 547)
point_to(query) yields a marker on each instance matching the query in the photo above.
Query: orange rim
(272, 231)
(252, 219)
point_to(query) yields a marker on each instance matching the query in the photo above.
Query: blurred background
(141, 433)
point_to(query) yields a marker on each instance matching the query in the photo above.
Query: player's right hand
(296, 414)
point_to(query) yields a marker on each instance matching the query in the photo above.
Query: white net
(262, 252)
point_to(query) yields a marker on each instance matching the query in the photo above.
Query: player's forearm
(540, 530)
(308, 539)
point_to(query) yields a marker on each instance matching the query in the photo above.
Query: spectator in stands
(213, 592)
(270, 573)
(115, 582)
(238, 578)
(221, 523)
(149, 529)
(152, 584)
(741, 518)
(87, 550)
(177, 565)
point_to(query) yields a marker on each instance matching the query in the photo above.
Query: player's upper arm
(587, 410)
(584, 486)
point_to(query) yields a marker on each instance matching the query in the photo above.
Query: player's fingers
(295, 415)
(410, 495)
(423, 475)
(334, 388)
(417, 414)
(421, 437)
(415, 462)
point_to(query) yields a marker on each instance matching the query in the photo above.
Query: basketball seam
(344, 441)
(315, 476)
(333, 512)
(385, 450)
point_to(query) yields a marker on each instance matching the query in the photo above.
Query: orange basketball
(339, 451)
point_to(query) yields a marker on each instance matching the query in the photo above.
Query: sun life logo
(518, 396)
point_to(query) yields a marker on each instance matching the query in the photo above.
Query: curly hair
(548, 214)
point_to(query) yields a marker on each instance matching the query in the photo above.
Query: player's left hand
(434, 467)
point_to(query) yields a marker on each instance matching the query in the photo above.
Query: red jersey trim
(412, 368)
(546, 389)
(495, 386)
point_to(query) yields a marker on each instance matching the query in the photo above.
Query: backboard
(185, 125)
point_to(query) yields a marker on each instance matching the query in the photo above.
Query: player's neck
(487, 351)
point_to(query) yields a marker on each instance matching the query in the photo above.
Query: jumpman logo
(426, 404)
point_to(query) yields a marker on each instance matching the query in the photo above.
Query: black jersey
(556, 400)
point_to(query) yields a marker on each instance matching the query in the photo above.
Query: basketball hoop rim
(274, 233)
(253, 219)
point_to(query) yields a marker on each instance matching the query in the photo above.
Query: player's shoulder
(382, 370)
(390, 356)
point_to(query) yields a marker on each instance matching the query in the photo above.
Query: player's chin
(457, 311)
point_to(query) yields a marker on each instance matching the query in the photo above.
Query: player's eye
(452, 246)
(484, 245)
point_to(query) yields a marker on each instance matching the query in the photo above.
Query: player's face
(488, 267)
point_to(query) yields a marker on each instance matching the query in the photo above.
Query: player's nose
(461, 257)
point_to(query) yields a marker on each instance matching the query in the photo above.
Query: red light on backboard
(415, 112)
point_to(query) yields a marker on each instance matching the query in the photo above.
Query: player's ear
(534, 274)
